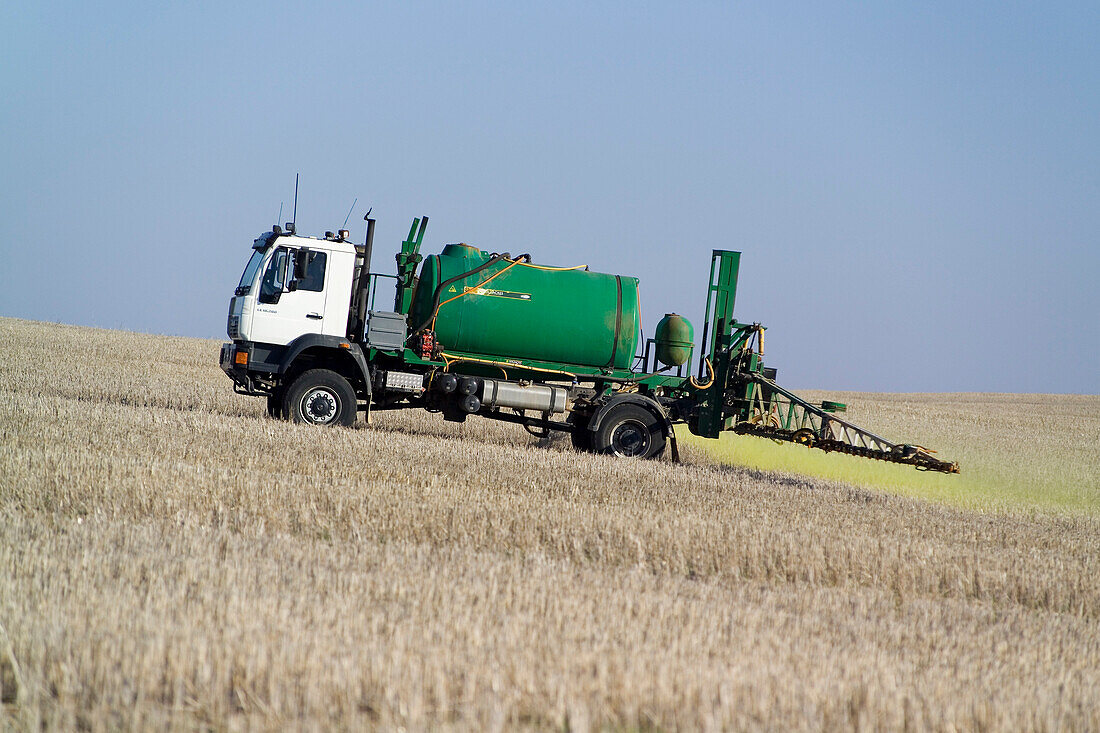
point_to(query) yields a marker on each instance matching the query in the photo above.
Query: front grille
(233, 328)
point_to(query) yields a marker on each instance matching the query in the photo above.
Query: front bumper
(236, 360)
(226, 358)
(253, 367)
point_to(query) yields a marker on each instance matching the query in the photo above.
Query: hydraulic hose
(555, 269)
(710, 370)
(453, 358)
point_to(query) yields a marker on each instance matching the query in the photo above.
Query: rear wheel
(321, 397)
(629, 431)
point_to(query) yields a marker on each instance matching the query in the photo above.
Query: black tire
(321, 397)
(629, 431)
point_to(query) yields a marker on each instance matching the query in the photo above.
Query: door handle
(315, 316)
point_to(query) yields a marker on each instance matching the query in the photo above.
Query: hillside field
(171, 557)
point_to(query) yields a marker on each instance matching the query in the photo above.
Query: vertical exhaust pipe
(370, 241)
(364, 281)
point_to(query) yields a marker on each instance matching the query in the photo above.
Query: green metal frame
(719, 330)
(407, 261)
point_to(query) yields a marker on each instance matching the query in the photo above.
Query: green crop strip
(990, 481)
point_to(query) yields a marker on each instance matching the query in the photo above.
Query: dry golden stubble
(168, 555)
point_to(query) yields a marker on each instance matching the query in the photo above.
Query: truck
(477, 333)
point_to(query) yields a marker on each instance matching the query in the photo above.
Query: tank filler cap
(461, 249)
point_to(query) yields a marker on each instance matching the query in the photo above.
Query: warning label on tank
(497, 293)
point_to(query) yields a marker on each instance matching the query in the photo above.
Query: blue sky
(915, 187)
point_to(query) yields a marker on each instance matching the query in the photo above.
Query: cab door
(289, 307)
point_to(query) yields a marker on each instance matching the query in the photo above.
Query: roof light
(344, 234)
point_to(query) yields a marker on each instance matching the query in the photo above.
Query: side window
(271, 287)
(315, 273)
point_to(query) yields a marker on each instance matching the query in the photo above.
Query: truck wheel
(321, 397)
(630, 431)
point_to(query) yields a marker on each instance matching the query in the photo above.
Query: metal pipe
(539, 397)
(811, 409)
(364, 279)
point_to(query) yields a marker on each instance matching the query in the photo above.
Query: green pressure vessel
(674, 338)
(518, 310)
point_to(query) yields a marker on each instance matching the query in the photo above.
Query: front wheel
(321, 397)
(630, 431)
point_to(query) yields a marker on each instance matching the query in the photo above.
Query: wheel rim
(320, 406)
(631, 439)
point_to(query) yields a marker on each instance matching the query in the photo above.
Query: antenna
(279, 218)
(345, 224)
(294, 218)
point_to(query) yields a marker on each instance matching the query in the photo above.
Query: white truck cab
(293, 286)
(290, 319)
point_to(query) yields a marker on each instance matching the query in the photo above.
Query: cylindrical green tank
(569, 316)
(674, 337)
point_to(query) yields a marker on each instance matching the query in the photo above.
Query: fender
(313, 340)
(647, 402)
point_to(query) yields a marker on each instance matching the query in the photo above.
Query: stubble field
(169, 557)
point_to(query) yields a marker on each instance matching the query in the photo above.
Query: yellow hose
(467, 290)
(455, 359)
(449, 359)
(710, 370)
(512, 264)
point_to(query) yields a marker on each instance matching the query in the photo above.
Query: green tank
(525, 311)
(674, 338)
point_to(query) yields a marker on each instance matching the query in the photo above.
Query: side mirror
(301, 263)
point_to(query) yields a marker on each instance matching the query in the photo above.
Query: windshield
(250, 272)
